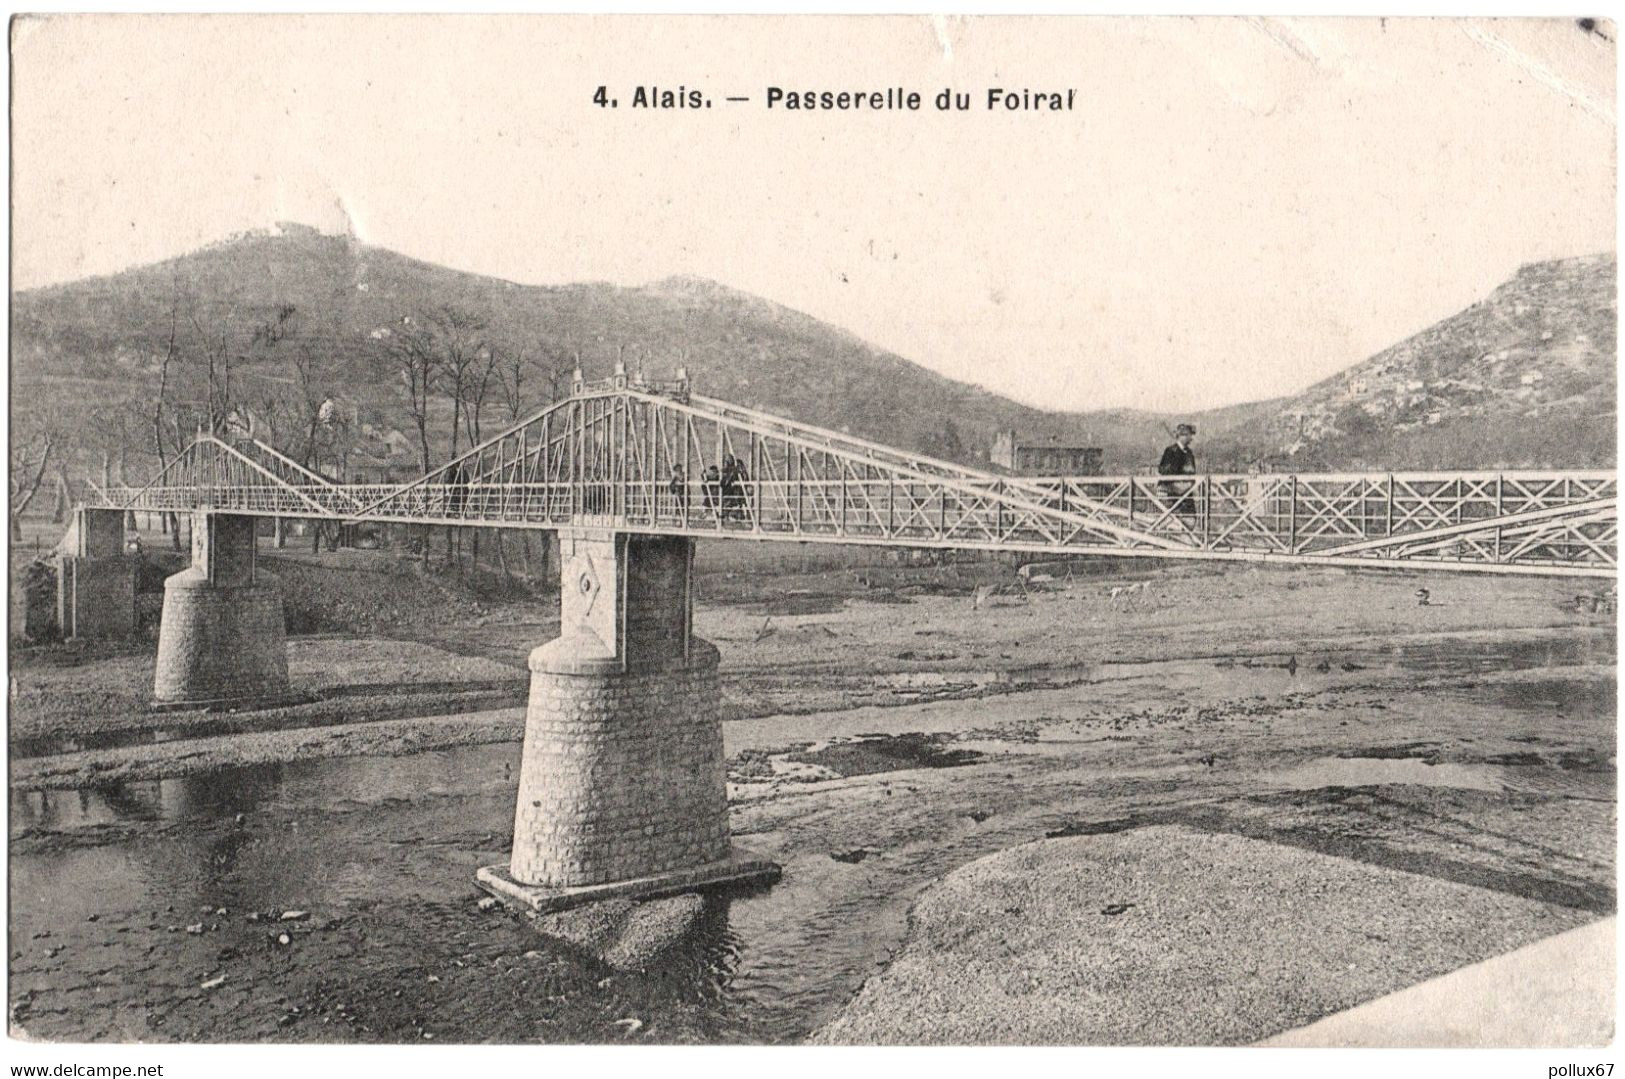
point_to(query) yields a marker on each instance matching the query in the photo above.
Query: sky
(1233, 209)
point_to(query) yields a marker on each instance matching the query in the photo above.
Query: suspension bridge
(622, 780)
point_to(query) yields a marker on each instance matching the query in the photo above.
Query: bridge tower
(221, 638)
(622, 783)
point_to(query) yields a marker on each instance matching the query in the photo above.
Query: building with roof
(1044, 458)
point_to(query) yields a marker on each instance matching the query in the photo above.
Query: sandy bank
(1169, 936)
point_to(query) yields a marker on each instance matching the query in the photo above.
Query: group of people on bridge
(725, 492)
(723, 489)
(726, 496)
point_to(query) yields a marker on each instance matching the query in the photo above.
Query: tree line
(285, 376)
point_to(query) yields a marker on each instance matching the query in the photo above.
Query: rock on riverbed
(624, 934)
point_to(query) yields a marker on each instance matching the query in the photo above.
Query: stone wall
(622, 774)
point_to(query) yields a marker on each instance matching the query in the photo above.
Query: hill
(1523, 378)
(103, 339)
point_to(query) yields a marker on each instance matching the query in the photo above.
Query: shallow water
(297, 787)
(1375, 771)
(766, 966)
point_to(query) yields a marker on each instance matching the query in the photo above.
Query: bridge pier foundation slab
(622, 783)
(221, 639)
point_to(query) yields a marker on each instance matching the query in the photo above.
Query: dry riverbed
(1246, 755)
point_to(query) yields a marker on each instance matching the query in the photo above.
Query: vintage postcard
(865, 531)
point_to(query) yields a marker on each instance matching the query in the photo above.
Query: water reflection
(221, 793)
(318, 784)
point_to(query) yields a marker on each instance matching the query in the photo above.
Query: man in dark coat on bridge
(1180, 460)
(677, 487)
(741, 499)
(711, 489)
(732, 488)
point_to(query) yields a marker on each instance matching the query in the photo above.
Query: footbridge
(622, 786)
(632, 456)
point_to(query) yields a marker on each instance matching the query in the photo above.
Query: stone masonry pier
(222, 639)
(622, 784)
(95, 595)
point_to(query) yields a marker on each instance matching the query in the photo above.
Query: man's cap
(1184, 429)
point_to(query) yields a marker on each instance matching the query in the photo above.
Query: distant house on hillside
(382, 456)
(1045, 458)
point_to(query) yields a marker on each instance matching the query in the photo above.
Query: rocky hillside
(1523, 378)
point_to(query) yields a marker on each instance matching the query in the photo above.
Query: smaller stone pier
(221, 640)
(95, 591)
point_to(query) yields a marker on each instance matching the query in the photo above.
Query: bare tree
(460, 340)
(411, 349)
(195, 388)
(108, 431)
(514, 377)
(300, 415)
(30, 457)
(478, 389)
(526, 380)
(559, 374)
(64, 492)
(215, 345)
(435, 355)
(165, 425)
